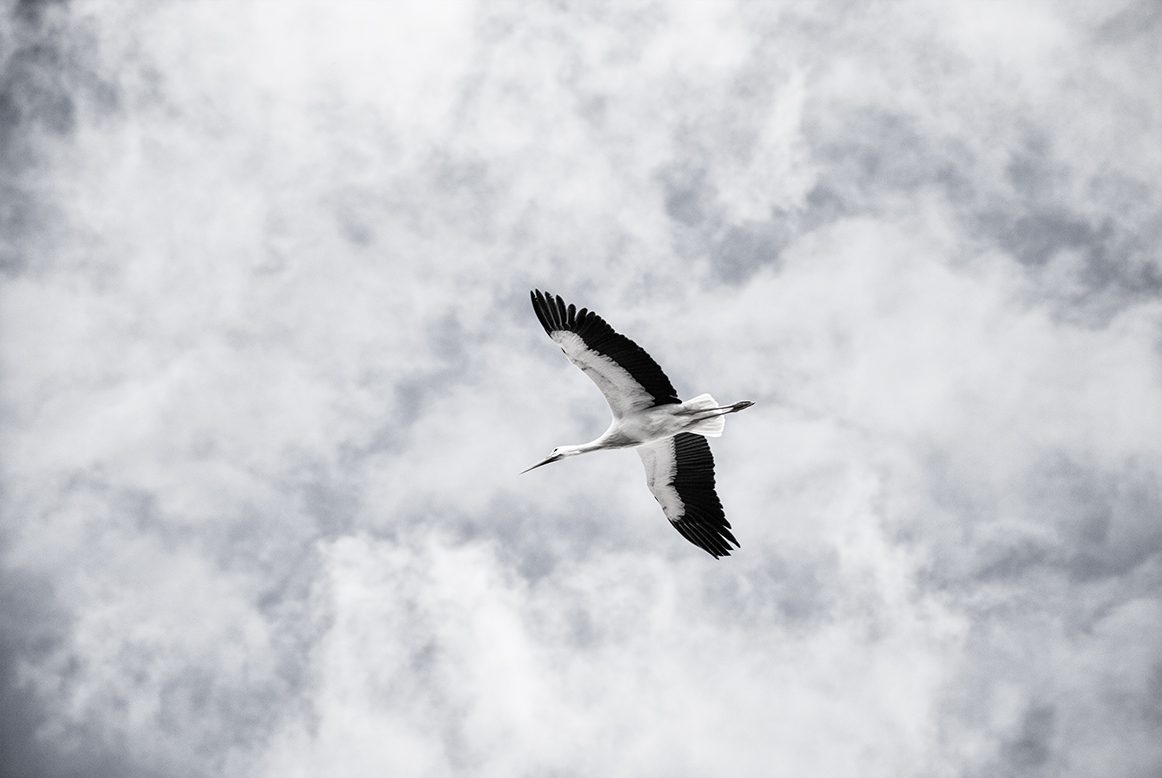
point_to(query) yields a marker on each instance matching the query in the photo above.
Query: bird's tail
(710, 426)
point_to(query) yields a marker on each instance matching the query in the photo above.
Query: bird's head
(559, 453)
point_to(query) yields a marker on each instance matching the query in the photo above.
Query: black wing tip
(544, 309)
(714, 541)
(552, 311)
(724, 549)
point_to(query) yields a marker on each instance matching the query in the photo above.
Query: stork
(669, 435)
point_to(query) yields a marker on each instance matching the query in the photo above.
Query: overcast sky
(268, 373)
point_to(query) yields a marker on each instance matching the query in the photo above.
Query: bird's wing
(680, 473)
(623, 371)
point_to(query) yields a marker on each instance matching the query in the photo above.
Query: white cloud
(269, 375)
(614, 665)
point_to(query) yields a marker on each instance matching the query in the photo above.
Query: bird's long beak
(544, 461)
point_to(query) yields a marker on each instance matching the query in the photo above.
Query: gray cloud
(269, 373)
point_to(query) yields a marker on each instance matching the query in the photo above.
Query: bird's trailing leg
(705, 414)
(739, 406)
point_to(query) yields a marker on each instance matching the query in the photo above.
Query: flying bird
(669, 435)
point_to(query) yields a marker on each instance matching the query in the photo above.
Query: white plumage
(669, 435)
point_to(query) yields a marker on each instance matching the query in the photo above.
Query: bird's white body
(701, 416)
(668, 434)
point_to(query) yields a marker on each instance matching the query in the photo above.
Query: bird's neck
(581, 448)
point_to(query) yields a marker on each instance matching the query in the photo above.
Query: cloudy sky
(268, 372)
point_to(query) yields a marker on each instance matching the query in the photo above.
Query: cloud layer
(269, 372)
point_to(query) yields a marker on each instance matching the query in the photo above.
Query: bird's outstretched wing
(623, 371)
(680, 473)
